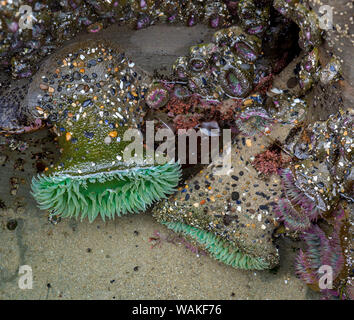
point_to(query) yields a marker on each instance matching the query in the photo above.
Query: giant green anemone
(218, 248)
(228, 211)
(92, 94)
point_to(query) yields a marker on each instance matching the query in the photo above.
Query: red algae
(269, 162)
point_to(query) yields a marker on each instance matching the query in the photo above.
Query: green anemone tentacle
(220, 249)
(109, 194)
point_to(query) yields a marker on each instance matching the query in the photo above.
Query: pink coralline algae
(188, 121)
(178, 106)
(269, 162)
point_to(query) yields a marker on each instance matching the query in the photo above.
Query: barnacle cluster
(309, 72)
(30, 33)
(14, 118)
(254, 16)
(52, 22)
(310, 33)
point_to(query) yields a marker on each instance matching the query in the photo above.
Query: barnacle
(331, 71)
(309, 72)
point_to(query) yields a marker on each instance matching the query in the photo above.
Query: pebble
(11, 224)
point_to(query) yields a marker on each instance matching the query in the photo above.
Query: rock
(339, 41)
(20, 210)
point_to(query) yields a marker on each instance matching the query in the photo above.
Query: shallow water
(115, 259)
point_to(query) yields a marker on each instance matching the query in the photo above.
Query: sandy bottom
(115, 259)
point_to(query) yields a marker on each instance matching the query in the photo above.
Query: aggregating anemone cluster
(327, 249)
(53, 22)
(91, 93)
